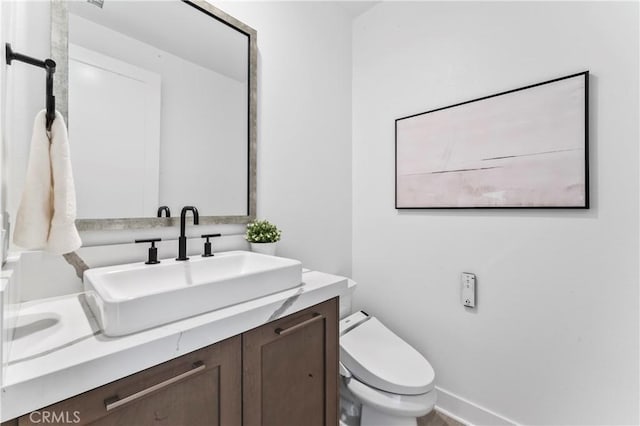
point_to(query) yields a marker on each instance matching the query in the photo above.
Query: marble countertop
(58, 350)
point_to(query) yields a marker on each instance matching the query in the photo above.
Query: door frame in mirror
(60, 54)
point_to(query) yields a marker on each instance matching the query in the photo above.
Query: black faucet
(182, 240)
(164, 209)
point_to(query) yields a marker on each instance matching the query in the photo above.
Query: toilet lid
(379, 358)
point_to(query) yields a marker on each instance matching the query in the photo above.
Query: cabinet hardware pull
(282, 331)
(115, 402)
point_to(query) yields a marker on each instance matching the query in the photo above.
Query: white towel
(63, 235)
(33, 218)
(47, 212)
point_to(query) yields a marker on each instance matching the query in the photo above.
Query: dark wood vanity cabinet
(282, 373)
(289, 370)
(200, 388)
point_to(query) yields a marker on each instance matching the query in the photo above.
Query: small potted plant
(263, 236)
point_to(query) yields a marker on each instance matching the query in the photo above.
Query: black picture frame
(576, 194)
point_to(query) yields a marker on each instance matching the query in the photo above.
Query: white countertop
(58, 350)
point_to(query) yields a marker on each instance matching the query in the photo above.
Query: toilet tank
(346, 299)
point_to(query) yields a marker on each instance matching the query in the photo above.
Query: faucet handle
(207, 244)
(153, 251)
(164, 209)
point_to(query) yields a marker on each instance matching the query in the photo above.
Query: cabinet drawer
(199, 388)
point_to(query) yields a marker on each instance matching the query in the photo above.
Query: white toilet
(391, 380)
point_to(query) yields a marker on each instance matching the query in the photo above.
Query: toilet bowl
(392, 381)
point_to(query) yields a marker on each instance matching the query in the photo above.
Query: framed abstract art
(524, 148)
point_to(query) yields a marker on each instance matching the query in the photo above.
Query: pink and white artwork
(522, 148)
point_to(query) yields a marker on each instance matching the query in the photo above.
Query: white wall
(4, 232)
(554, 338)
(27, 29)
(304, 127)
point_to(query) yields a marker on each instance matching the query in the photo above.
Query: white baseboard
(467, 412)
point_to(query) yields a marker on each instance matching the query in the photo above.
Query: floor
(435, 418)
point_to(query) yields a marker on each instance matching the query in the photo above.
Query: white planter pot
(264, 248)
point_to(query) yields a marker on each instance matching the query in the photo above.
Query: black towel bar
(49, 66)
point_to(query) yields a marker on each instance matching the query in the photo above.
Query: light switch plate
(468, 293)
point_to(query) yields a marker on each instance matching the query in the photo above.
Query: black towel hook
(49, 66)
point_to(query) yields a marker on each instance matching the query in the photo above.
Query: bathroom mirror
(160, 101)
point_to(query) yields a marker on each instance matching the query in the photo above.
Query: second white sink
(133, 297)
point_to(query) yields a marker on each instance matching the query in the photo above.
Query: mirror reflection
(158, 110)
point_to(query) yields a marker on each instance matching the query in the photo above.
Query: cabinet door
(199, 388)
(290, 368)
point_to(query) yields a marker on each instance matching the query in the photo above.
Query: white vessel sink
(133, 297)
